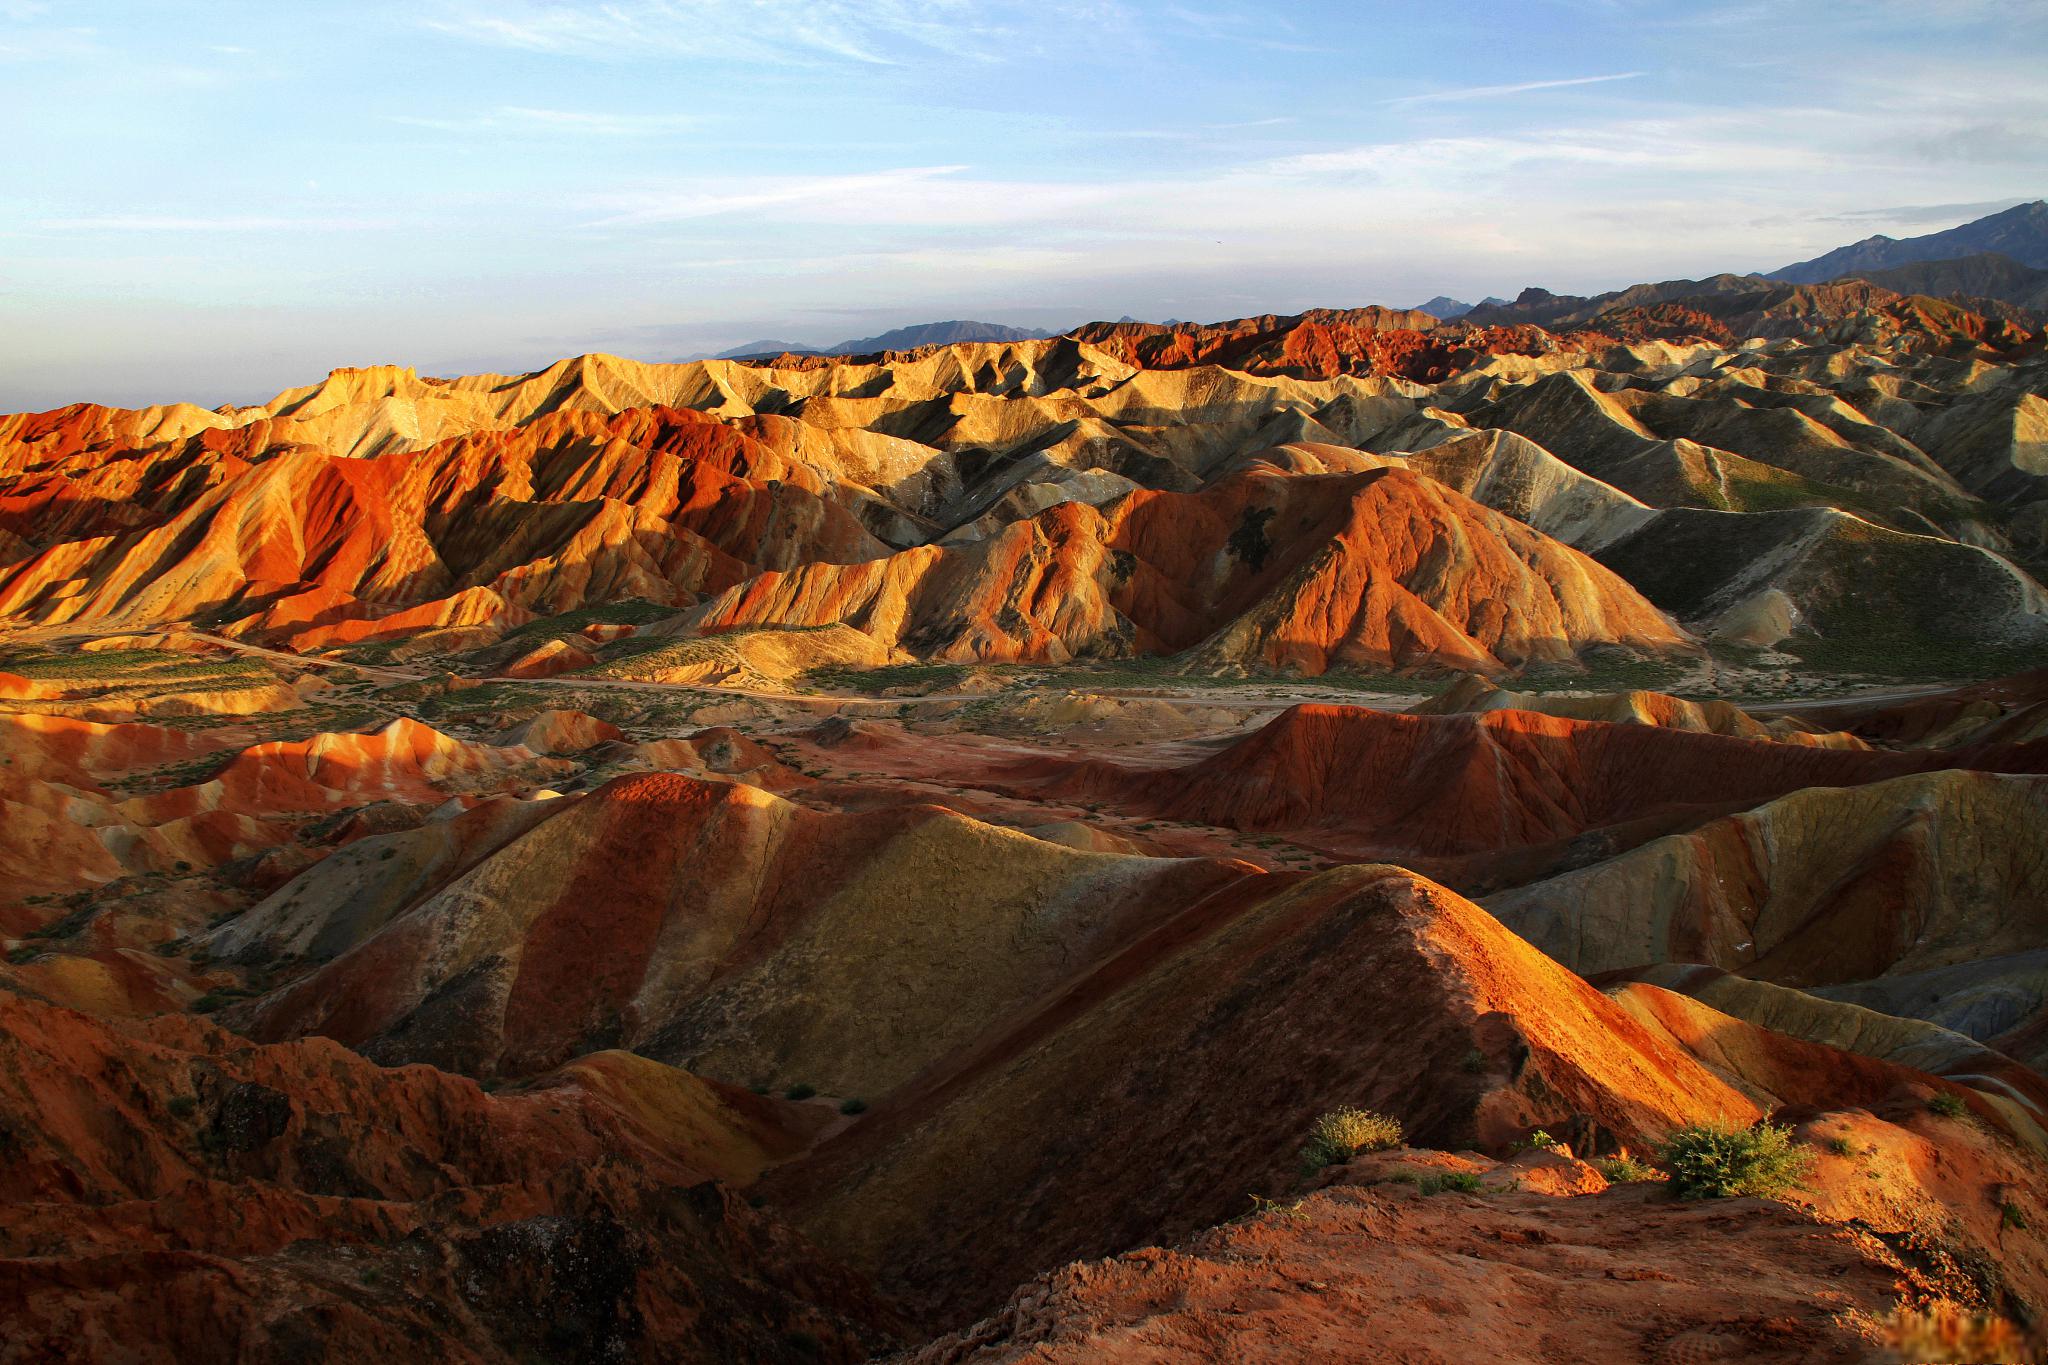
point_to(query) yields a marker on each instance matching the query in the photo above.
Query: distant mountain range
(1444, 307)
(1997, 260)
(2020, 233)
(900, 339)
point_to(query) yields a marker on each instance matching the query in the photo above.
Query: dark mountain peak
(2020, 232)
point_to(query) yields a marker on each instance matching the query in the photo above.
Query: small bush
(800, 1091)
(27, 952)
(1716, 1161)
(1538, 1141)
(182, 1105)
(1841, 1146)
(2011, 1215)
(1465, 1182)
(1626, 1170)
(853, 1106)
(1948, 1106)
(1947, 1331)
(1342, 1132)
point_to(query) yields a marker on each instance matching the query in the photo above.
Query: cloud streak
(524, 120)
(1488, 92)
(770, 32)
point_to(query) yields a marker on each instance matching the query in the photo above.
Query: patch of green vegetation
(1626, 1170)
(219, 998)
(162, 668)
(632, 611)
(2011, 1215)
(1342, 1133)
(25, 953)
(1605, 670)
(1464, 1182)
(923, 677)
(855, 1105)
(800, 1091)
(1716, 1160)
(71, 926)
(1841, 1146)
(1948, 1106)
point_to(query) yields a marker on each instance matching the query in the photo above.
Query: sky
(211, 202)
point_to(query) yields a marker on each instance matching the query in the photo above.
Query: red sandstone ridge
(173, 1193)
(1364, 985)
(656, 502)
(1377, 783)
(1379, 569)
(1508, 1276)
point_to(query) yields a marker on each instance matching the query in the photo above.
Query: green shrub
(1841, 1146)
(853, 1106)
(2011, 1215)
(1715, 1160)
(1465, 1182)
(1342, 1132)
(1626, 1170)
(800, 1091)
(1948, 1106)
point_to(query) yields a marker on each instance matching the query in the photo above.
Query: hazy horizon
(214, 202)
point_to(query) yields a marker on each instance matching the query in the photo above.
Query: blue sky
(214, 201)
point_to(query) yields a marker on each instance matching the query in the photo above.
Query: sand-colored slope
(1379, 569)
(1823, 886)
(1473, 694)
(1364, 985)
(715, 923)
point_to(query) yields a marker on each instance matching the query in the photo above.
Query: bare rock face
(168, 1184)
(566, 1028)
(1377, 570)
(1453, 787)
(1352, 1273)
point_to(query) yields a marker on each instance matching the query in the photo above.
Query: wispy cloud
(1488, 92)
(522, 119)
(145, 222)
(812, 193)
(773, 32)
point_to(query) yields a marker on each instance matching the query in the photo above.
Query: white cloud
(818, 197)
(146, 222)
(777, 32)
(521, 119)
(1484, 92)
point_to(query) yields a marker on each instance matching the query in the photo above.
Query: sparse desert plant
(1465, 1182)
(1717, 1160)
(1538, 1141)
(1945, 1331)
(855, 1105)
(1626, 1170)
(1342, 1132)
(1290, 1210)
(800, 1091)
(1841, 1146)
(1948, 1106)
(2011, 1215)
